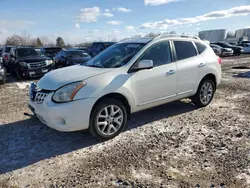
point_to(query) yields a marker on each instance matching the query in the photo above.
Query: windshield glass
(52, 51)
(24, 52)
(7, 49)
(75, 54)
(115, 56)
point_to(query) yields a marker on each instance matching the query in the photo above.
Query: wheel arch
(117, 96)
(211, 77)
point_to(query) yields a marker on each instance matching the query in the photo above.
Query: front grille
(40, 97)
(36, 65)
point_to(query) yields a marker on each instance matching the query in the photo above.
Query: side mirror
(145, 64)
(142, 65)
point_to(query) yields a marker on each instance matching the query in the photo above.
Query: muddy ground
(174, 145)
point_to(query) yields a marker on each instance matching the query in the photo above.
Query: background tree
(39, 42)
(152, 34)
(60, 42)
(15, 40)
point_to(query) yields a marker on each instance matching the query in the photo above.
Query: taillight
(6, 57)
(219, 60)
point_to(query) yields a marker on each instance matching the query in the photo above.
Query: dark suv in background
(97, 47)
(70, 57)
(51, 51)
(29, 62)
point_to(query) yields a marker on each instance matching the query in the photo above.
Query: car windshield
(52, 51)
(24, 52)
(7, 49)
(76, 54)
(115, 56)
(224, 44)
(214, 45)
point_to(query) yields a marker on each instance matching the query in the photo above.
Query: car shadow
(26, 142)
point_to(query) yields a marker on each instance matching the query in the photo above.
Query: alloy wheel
(110, 120)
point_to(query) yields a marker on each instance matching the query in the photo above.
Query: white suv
(130, 76)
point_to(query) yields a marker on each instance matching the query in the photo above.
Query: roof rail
(176, 35)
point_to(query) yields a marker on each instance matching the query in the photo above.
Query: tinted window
(7, 49)
(200, 47)
(97, 46)
(63, 54)
(184, 49)
(159, 53)
(24, 52)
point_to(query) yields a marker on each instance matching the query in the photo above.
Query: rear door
(191, 66)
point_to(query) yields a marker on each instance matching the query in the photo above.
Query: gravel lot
(174, 145)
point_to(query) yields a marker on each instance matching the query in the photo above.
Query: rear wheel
(204, 94)
(108, 119)
(18, 75)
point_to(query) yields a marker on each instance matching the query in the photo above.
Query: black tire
(18, 75)
(197, 99)
(93, 128)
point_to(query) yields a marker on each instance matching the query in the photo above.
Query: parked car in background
(66, 58)
(216, 49)
(6, 55)
(130, 76)
(1, 58)
(2, 74)
(220, 51)
(51, 51)
(246, 47)
(246, 41)
(237, 49)
(29, 62)
(97, 47)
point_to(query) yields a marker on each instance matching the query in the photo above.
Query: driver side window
(159, 53)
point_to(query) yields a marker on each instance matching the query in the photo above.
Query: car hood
(60, 77)
(33, 59)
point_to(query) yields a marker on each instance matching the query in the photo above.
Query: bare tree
(152, 34)
(15, 40)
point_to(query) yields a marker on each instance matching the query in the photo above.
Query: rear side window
(184, 49)
(200, 47)
(159, 53)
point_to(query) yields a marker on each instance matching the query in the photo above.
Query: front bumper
(24, 71)
(65, 117)
(228, 53)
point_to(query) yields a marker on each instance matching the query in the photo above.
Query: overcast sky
(85, 20)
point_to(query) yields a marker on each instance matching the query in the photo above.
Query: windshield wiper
(94, 66)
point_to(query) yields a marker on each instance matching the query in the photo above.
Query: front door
(158, 83)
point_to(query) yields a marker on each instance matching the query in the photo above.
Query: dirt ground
(174, 145)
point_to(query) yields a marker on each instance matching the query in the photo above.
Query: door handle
(201, 65)
(170, 72)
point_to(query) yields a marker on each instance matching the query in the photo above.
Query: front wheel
(204, 94)
(108, 119)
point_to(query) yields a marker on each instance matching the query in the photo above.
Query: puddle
(244, 75)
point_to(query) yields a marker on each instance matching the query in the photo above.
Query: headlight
(49, 62)
(68, 92)
(23, 64)
(228, 49)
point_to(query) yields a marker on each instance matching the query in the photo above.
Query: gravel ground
(174, 145)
